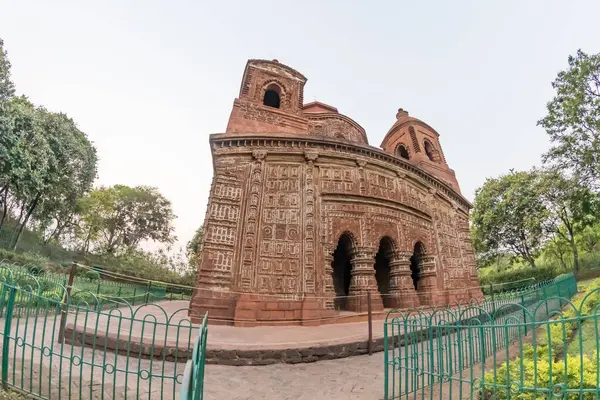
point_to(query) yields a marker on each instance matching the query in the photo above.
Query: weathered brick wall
(279, 205)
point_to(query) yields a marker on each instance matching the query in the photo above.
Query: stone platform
(150, 336)
(164, 331)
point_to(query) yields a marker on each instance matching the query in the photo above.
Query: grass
(586, 339)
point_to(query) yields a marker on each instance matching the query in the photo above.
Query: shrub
(539, 274)
(36, 270)
(549, 353)
(580, 374)
(92, 275)
(23, 258)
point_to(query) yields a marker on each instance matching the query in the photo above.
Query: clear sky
(148, 81)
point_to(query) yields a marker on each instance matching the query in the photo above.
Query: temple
(306, 220)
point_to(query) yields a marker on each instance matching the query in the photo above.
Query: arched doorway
(342, 269)
(415, 263)
(382, 269)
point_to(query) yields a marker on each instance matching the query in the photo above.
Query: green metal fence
(79, 346)
(530, 344)
(193, 377)
(133, 293)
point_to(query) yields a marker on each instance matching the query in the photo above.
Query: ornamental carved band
(306, 219)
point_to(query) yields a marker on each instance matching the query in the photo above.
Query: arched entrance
(415, 263)
(382, 269)
(342, 269)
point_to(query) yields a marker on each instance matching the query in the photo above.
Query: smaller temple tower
(414, 140)
(270, 100)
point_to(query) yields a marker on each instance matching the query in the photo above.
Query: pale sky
(148, 81)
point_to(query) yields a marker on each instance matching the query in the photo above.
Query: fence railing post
(385, 359)
(10, 305)
(545, 300)
(66, 297)
(370, 322)
(148, 292)
(493, 301)
(524, 313)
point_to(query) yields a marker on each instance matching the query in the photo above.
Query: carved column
(427, 283)
(248, 262)
(402, 289)
(309, 224)
(363, 281)
(328, 277)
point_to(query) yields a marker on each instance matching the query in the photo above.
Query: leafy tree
(508, 216)
(7, 88)
(571, 207)
(25, 154)
(558, 249)
(589, 239)
(573, 119)
(70, 172)
(117, 219)
(193, 247)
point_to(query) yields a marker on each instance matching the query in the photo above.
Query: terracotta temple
(305, 218)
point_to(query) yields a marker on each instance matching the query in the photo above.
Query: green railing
(48, 283)
(79, 346)
(193, 377)
(520, 345)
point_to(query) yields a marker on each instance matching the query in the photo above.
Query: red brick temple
(305, 217)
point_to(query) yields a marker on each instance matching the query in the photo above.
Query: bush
(28, 259)
(92, 275)
(36, 271)
(580, 373)
(539, 274)
(549, 353)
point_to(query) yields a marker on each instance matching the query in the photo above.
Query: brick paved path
(359, 377)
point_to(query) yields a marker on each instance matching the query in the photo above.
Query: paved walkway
(358, 377)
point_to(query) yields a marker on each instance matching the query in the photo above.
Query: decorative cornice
(272, 142)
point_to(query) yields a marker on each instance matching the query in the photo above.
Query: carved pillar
(248, 261)
(328, 277)
(427, 283)
(402, 289)
(363, 281)
(309, 225)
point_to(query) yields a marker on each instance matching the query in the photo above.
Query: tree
(573, 119)
(193, 248)
(25, 154)
(117, 219)
(508, 216)
(70, 172)
(589, 239)
(571, 207)
(7, 88)
(558, 248)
